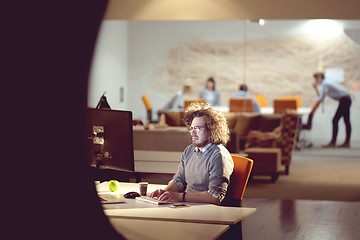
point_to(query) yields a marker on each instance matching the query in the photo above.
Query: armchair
(282, 137)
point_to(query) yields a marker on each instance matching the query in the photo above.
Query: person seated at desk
(177, 101)
(210, 94)
(242, 93)
(204, 171)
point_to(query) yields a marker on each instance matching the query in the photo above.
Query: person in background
(205, 167)
(210, 94)
(338, 93)
(177, 101)
(242, 93)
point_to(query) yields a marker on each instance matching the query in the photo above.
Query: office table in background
(159, 150)
(265, 110)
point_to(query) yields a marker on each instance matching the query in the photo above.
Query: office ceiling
(231, 9)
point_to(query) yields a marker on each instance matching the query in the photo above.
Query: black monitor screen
(110, 135)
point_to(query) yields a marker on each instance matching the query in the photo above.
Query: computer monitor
(110, 139)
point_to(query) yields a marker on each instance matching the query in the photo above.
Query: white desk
(146, 229)
(196, 213)
(206, 213)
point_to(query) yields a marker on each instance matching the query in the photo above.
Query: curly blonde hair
(215, 121)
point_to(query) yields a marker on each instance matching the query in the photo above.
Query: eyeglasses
(196, 129)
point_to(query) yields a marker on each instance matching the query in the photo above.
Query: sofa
(282, 137)
(242, 123)
(267, 161)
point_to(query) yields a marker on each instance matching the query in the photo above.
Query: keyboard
(151, 200)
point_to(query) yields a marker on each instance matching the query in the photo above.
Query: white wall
(281, 57)
(154, 58)
(110, 67)
(149, 46)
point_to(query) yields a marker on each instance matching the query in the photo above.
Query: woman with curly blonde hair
(205, 167)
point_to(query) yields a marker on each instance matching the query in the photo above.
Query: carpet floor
(315, 173)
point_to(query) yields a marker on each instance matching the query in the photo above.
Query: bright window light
(323, 27)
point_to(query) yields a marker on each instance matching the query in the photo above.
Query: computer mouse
(131, 195)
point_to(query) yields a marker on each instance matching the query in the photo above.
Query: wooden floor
(301, 219)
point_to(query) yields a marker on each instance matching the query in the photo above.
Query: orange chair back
(316, 105)
(146, 102)
(240, 176)
(261, 99)
(281, 105)
(297, 99)
(241, 105)
(190, 101)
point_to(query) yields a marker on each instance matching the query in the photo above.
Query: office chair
(238, 181)
(280, 105)
(297, 99)
(148, 109)
(303, 142)
(261, 99)
(241, 105)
